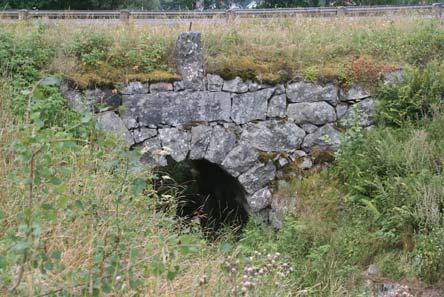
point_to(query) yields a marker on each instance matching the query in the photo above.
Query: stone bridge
(250, 130)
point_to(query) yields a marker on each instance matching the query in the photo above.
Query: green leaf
(171, 275)
(138, 186)
(56, 255)
(55, 180)
(79, 204)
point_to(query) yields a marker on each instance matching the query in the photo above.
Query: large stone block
(364, 111)
(211, 143)
(257, 177)
(316, 113)
(111, 123)
(277, 107)
(214, 82)
(250, 106)
(200, 140)
(326, 138)
(355, 93)
(260, 199)
(136, 87)
(235, 85)
(189, 60)
(310, 92)
(273, 136)
(221, 143)
(240, 159)
(176, 141)
(174, 108)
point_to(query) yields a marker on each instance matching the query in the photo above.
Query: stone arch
(251, 155)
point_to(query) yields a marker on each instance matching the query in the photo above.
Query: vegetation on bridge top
(340, 50)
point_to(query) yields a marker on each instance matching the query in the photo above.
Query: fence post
(125, 16)
(341, 11)
(438, 10)
(23, 14)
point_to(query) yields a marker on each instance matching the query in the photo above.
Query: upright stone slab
(189, 60)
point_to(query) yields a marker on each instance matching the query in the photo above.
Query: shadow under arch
(209, 193)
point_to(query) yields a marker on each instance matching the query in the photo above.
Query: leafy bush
(92, 47)
(23, 58)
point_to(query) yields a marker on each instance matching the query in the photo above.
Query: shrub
(414, 99)
(92, 47)
(428, 255)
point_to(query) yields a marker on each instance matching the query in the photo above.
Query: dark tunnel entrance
(209, 194)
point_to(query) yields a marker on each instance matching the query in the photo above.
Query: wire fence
(126, 15)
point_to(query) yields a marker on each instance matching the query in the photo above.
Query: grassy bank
(337, 49)
(76, 220)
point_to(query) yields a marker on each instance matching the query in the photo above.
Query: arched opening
(209, 194)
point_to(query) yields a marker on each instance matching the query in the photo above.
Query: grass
(268, 50)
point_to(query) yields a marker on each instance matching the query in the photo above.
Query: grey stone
(279, 89)
(310, 92)
(309, 128)
(76, 101)
(341, 109)
(326, 138)
(111, 123)
(178, 86)
(235, 85)
(372, 270)
(142, 134)
(152, 152)
(261, 217)
(189, 60)
(161, 87)
(317, 113)
(129, 122)
(297, 154)
(355, 93)
(176, 141)
(255, 86)
(211, 143)
(257, 177)
(306, 163)
(273, 136)
(135, 87)
(279, 208)
(174, 108)
(260, 199)
(364, 111)
(250, 106)
(200, 140)
(52, 81)
(214, 82)
(394, 77)
(282, 162)
(105, 97)
(221, 143)
(277, 107)
(240, 159)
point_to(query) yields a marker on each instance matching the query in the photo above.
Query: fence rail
(125, 15)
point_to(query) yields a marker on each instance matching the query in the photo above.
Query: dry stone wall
(232, 123)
